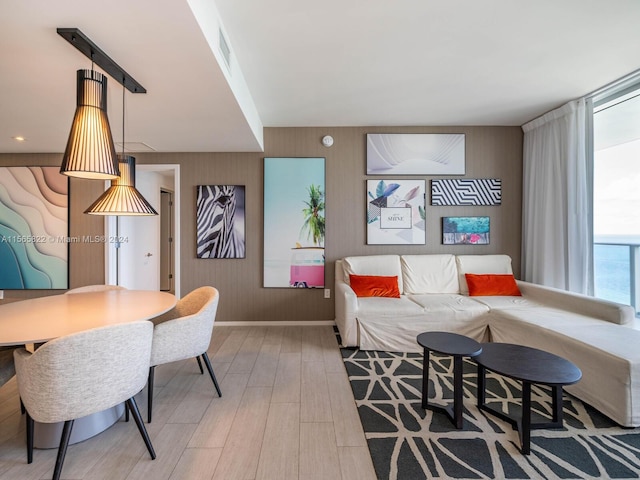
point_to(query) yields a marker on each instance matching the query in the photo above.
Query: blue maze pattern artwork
(466, 191)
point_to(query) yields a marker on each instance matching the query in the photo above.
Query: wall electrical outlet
(327, 293)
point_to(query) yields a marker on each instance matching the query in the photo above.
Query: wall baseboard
(277, 323)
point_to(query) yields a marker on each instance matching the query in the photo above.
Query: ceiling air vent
(225, 50)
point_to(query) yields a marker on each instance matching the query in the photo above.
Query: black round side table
(458, 346)
(529, 365)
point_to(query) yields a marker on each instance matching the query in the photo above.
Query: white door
(136, 263)
(139, 255)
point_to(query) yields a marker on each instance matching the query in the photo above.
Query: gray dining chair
(184, 332)
(80, 374)
(94, 288)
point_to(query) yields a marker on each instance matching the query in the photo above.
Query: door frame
(110, 227)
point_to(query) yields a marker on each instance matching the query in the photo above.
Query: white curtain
(557, 209)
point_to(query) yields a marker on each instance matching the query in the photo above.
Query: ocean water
(612, 271)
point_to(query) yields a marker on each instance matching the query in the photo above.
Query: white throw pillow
(379, 265)
(430, 274)
(481, 264)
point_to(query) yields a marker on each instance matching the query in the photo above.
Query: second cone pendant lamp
(90, 151)
(122, 197)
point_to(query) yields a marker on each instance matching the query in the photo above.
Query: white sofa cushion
(450, 305)
(394, 309)
(383, 265)
(479, 264)
(429, 274)
(392, 325)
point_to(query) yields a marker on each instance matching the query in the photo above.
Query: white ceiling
(307, 63)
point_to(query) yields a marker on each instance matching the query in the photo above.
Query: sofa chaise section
(594, 334)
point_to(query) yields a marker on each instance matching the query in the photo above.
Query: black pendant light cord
(123, 92)
(118, 217)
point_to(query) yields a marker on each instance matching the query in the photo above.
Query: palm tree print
(313, 218)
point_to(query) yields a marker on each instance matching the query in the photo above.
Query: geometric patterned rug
(409, 443)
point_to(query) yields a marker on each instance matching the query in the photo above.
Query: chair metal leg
(30, 425)
(205, 357)
(150, 394)
(22, 409)
(62, 449)
(135, 413)
(126, 412)
(200, 366)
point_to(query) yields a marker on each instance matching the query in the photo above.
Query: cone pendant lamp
(122, 197)
(90, 151)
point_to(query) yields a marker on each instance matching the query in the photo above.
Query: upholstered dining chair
(184, 332)
(94, 288)
(84, 373)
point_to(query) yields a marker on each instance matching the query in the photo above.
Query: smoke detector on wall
(327, 140)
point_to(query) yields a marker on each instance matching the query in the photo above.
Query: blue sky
(286, 183)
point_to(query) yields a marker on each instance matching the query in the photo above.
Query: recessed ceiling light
(19, 139)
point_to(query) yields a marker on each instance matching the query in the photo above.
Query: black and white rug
(409, 443)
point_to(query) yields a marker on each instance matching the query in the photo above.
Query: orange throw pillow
(374, 286)
(492, 285)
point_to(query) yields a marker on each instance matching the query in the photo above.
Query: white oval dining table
(42, 319)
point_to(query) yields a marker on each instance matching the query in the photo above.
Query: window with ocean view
(616, 198)
(612, 272)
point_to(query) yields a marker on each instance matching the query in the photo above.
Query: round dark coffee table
(458, 346)
(528, 365)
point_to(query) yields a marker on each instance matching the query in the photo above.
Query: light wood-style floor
(287, 412)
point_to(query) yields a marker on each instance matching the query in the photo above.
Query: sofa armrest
(575, 302)
(346, 303)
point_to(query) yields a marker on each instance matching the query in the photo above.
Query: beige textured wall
(491, 152)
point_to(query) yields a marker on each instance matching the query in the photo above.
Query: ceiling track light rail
(79, 40)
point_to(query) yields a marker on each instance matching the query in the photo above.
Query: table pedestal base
(47, 435)
(453, 411)
(523, 424)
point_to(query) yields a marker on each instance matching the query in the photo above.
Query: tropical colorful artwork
(34, 228)
(415, 154)
(220, 221)
(465, 230)
(396, 212)
(294, 222)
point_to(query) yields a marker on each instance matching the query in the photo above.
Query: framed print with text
(396, 212)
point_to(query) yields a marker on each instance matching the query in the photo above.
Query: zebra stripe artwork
(466, 191)
(220, 221)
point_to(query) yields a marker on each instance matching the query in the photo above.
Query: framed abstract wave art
(34, 228)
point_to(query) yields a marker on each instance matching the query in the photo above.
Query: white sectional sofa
(597, 335)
